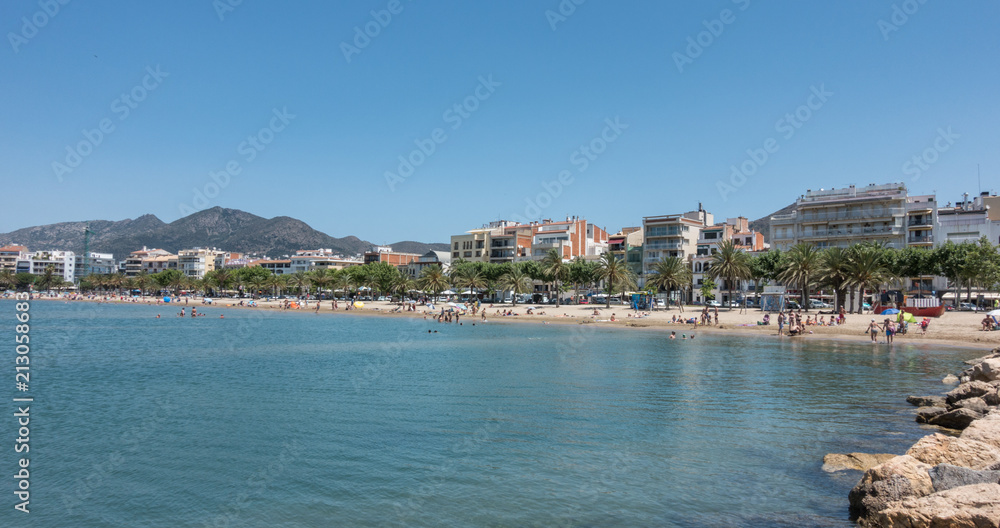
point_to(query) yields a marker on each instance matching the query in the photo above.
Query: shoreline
(954, 329)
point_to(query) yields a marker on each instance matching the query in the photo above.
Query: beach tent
(908, 317)
(890, 311)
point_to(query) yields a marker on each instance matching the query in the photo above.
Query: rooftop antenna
(979, 179)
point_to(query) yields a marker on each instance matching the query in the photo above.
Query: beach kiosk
(773, 299)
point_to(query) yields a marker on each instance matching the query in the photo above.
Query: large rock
(976, 506)
(956, 419)
(859, 461)
(988, 370)
(950, 379)
(972, 389)
(986, 430)
(974, 404)
(926, 401)
(947, 476)
(900, 478)
(992, 398)
(992, 355)
(960, 451)
(924, 414)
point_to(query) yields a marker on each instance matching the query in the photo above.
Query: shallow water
(295, 419)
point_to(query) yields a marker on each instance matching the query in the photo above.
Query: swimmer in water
(673, 335)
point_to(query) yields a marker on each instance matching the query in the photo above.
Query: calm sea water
(303, 420)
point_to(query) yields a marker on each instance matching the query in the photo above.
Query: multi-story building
(276, 266)
(386, 254)
(158, 263)
(97, 264)
(736, 230)
(842, 217)
(506, 241)
(626, 246)
(197, 262)
(431, 258)
(9, 255)
(969, 220)
(313, 259)
(62, 262)
(673, 235)
(133, 263)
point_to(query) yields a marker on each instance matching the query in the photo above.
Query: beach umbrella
(166, 299)
(359, 304)
(890, 311)
(994, 313)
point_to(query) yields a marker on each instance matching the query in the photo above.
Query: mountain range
(226, 229)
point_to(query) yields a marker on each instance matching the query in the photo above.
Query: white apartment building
(9, 255)
(97, 264)
(842, 217)
(63, 262)
(198, 261)
(674, 235)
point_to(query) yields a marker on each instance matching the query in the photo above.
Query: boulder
(988, 370)
(897, 479)
(950, 379)
(926, 413)
(973, 389)
(947, 476)
(959, 451)
(974, 404)
(955, 419)
(986, 430)
(975, 506)
(859, 461)
(992, 398)
(926, 401)
(992, 355)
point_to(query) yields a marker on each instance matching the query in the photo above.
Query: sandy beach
(953, 328)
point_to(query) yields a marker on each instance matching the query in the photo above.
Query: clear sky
(604, 110)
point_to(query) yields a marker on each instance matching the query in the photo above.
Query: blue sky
(338, 111)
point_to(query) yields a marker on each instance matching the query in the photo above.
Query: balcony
(920, 223)
(660, 244)
(852, 232)
(837, 216)
(918, 240)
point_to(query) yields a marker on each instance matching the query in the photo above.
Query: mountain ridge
(226, 229)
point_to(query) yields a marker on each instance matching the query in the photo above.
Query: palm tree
(731, 264)
(46, 279)
(7, 280)
(866, 269)
(177, 282)
(554, 267)
(615, 274)
(834, 272)
(256, 284)
(222, 277)
(142, 281)
(277, 283)
(669, 273)
(469, 277)
(401, 284)
(344, 281)
(518, 281)
(432, 278)
(300, 280)
(320, 279)
(802, 268)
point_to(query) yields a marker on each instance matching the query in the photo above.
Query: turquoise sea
(267, 419)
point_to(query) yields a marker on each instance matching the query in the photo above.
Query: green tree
(8, 279)
(835, 272)
(867, 269)
(615, 274)
(433, 279)
(669, 274)
(554, 267)
(802, 268)
(300, 280)
(706, 288)
(320, 279)
(730, 264)
(518, 281)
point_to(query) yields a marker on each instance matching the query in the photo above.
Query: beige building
(9, 255)
(133, 263)
(674, 235)
(198, 261)
(159, 263)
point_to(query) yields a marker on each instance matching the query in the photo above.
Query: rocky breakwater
(950, 479)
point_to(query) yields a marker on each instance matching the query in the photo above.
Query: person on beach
(843, 316)
(873, 330)
(194, 312)
(781, 323)
(890, 329)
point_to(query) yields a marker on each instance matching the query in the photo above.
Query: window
(479, 253)
(467, 254)
(455, 253)
(711, 236)
(456, 247)
(479, 244)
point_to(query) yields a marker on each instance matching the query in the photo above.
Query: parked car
(714, 304)
(382, 298)
(817, 303)
(661, 304)
(735, 304)
(792, 305)
(968, 307)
